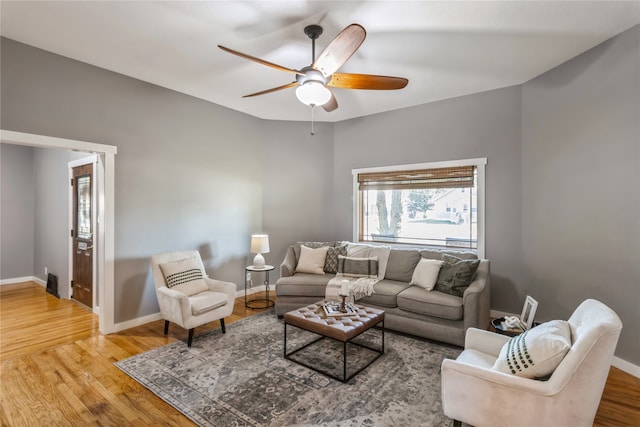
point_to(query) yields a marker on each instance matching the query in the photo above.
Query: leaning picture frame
(528, 312)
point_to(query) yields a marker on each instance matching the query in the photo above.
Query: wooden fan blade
(261, 61)
(275, 89)
(331, 104)
(366, 81)
(340, 50)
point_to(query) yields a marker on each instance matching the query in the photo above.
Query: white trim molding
(138, 321)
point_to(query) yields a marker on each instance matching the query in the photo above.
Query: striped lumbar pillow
(184, 276)
(358, 267)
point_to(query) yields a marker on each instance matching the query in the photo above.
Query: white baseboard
(136, 322)
(15, 280)
(621, 364)
(625, 366)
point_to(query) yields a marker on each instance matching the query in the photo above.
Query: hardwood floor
(57, 369)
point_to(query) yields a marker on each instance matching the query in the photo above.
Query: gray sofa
(409, 309)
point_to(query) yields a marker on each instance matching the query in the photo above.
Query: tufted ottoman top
(341, 328)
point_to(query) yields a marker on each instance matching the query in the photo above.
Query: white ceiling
(445, 48)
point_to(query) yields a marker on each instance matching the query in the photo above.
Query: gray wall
(189, 174)
(297, 185)
(481, 125)
(580, 185)
(17, 210)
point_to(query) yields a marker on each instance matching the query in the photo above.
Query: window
(434, 204)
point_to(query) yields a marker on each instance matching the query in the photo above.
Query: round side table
(258, 303)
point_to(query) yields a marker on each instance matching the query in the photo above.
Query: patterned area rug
(242, 379)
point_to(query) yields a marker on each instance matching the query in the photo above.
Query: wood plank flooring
(57, 369)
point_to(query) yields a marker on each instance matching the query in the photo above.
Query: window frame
(479, 163)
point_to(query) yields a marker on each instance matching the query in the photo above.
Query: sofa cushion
(311, 260)
(385, 293)
(435, 254)
(331, 261)
(431, 254)
(426, 273)
(207, 301)
(401, 264)
(431, 303)
(462, 255)
(357, 267)
(301, 284)
(456, 274)
(537, 352)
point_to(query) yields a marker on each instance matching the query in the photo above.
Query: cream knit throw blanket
(359, 287)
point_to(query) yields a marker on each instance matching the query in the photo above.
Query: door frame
(106, 231)
(97, 217)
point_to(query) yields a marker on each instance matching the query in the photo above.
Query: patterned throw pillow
(456, 274)
(331, 262)
(358, 267)
(537, 352)
(184, 276)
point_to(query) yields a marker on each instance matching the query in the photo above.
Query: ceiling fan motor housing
(311, 74)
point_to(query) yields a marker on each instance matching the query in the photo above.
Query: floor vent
(52, 285)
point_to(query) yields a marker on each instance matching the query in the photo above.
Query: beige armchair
(474, 393)
(186, 295)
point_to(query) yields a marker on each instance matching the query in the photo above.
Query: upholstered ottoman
(344, 329)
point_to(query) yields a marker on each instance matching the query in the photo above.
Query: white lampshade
(259, 246)
(313, 93)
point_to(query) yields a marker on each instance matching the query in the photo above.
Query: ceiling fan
(313, 81)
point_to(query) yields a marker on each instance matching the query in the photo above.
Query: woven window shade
(453, 177)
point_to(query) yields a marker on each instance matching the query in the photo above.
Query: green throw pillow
(456, 274)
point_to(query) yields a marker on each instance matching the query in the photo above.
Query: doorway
(83, 203)
(104, 273)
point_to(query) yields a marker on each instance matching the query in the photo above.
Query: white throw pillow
(184, 276)
(426, 272)
(312, 260)
(536, 353)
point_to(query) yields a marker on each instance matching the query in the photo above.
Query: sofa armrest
(476, 299)
(288, 266)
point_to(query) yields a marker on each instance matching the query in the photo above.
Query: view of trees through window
(434, 216)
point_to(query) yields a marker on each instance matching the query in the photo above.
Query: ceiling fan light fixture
(313, 93)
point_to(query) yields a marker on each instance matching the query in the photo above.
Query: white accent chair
(475, 394)
(216, 303)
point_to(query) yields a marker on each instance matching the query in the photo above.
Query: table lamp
(259, 246)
